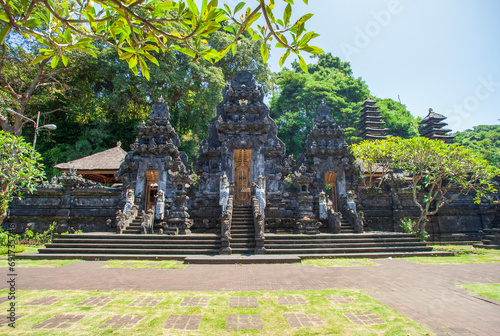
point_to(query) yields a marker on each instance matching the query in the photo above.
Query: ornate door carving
(242, 164)
(331, 179)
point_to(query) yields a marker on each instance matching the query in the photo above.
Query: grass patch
(341, 262)
(214, 314)
(490, 291)
(464, 254)
(44, 262)
(158, 264)
(20, 249)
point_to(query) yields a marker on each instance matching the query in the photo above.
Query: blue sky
(439, 54)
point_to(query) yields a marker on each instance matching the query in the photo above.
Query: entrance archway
(331, 180)
(151, 189)
(242, 176)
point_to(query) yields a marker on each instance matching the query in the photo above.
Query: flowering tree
(19, 168)
(439, 172)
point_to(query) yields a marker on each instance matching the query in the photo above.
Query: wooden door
(242, 178)
(331, 179)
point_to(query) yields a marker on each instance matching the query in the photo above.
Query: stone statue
(260, 192)
(323, 213)
(160, 205)
(130, 199)
(224, 192)
(351, 200)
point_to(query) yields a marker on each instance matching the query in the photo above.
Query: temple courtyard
(409, 296)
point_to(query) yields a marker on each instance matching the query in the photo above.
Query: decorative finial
(161, 100)
(323, 102)
(431, 110)
(119, 144)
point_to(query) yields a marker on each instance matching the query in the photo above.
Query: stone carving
(259, 224)
(160, 205)
(124, 219)
(260, 192)
(323, 214)
(224, 192)
(334, 220)
(147, 221)
(243, 80)
(160, 110)
(226, 227)
(130, 199)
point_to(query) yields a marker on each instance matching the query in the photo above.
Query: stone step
(345, 245)
(177, 251)
(115, 236)
(135, 246)
(348, 250)
(340, 240)
(173, 240)
(339, 235)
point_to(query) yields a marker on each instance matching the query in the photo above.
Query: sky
(439, 54)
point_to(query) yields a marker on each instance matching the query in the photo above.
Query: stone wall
(459, 220)
(82, 208)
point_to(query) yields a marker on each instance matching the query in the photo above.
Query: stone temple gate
(242, 163)
(242, 194)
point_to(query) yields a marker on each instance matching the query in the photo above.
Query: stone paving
(97, 301)
(303, 320)
(240, 322)
(243, 302)
(427, 294)
(61, 321)
(44, 301)
(364, 318)
(194, 302)
(183, 322)
(125, 321)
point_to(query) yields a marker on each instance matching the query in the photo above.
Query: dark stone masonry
(242, 166)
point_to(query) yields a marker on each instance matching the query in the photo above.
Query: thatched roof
(110, 159)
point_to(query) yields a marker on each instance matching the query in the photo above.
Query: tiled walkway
(428, 294)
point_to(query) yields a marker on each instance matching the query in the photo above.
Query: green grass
(214, 315)
(341, 262)
(44, 262)
(490, 291)
(162, 264)
(464, 254)
(20, 249)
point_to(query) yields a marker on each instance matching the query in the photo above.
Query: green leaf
(264, 51)
(126, 55)
(54, 61)
(193, 7)
(228, 10)
(65, 59)
(40, 58)
(289, 2)
(302, 64)
(135, 70)
(287, 14)
(305, 1)
(184, 51)
(238, 7)
(3, 33)
(312, 50)
(233, 47)
(144, 68)
(303, 19)
(151, 59)
(284, 57)
(132, 62)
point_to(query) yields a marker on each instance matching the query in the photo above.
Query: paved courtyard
(427, 294)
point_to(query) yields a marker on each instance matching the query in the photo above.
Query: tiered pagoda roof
(371, 125)
(432, 127)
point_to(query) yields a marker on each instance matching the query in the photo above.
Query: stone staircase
(91, 246)
(242, 230)
(135, 226)
(366, 245)
(346, 227)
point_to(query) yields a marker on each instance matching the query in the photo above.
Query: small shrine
(432, 127)
(371, 124)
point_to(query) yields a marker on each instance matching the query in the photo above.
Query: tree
(25, 87)
(399, 120)
(135, 29)
(19, 168)
(484, 139)
(439, 172)
(294, 105)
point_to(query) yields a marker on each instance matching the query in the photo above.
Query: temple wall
(84, 209)
(459, 220)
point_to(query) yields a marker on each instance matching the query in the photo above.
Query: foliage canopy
(438, 172)
(19, 168)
